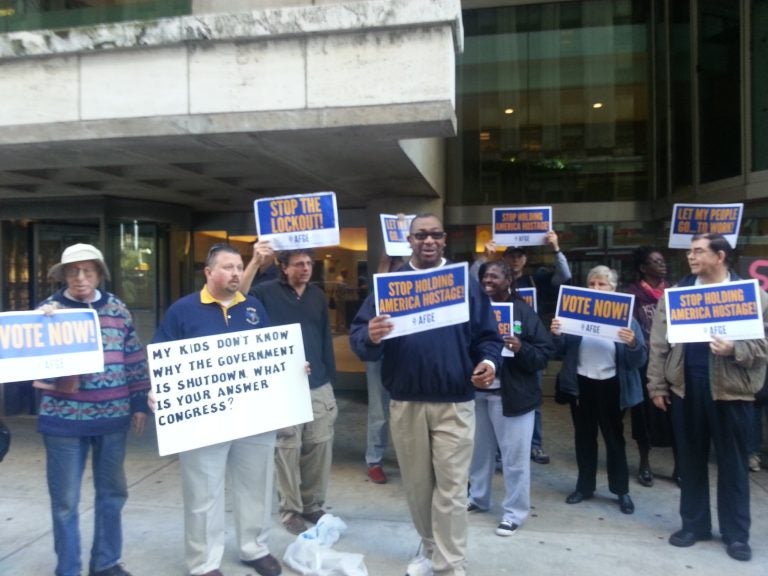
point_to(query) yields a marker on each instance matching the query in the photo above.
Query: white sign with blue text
(587, 312)
(35, 346)
(300, 221)
(424, 299)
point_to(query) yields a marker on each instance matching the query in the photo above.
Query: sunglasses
(424, 235)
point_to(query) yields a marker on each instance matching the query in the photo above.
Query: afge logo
(251, 316)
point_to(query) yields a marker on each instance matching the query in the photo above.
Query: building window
(553, 104)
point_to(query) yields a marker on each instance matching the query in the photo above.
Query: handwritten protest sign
(691, 219)
(502, 313)
(529, 297)
(423, 300)
(395, 229)
(218, 388)
(301, 221)
(586, 312)
(34, 346)
(521, 226)
(730, 310)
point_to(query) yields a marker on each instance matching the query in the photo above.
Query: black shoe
(739, 551)
(266, 565)
(539, 456)
(575, 497)
(116, 570)
(626, 505)
(645, 476)
(473, 508)
(684, 538)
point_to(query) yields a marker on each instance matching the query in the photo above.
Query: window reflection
(553, 103)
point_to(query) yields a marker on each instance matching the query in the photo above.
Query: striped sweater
(105, 401)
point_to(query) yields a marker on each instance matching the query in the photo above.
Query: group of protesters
(453, 400)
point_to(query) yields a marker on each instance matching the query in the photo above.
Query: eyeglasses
(424, 235)
(74, 272)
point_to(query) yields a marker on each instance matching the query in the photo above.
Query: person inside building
(305, 451)
(504, 411)
(649, 424)
(710, 387)
(248, 463)
(430, 377)
(378, 401)
(92, 413)
(601, 379)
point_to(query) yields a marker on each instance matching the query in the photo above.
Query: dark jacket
(436, 365)
(520, 389)
(628, 362)
(285, 306)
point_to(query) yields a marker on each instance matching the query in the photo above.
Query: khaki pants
(434, 443)
(303, 457)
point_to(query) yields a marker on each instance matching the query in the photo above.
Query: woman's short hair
(604, 272)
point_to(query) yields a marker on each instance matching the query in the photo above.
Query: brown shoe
(294, 524)
(313, 517)
(266, 565)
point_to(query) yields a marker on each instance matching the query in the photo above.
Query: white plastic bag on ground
(311, 553)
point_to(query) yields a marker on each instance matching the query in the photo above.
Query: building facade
(149, 128)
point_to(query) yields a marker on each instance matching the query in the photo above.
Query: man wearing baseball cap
(92, 412)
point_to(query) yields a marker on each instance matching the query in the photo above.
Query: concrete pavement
(585, 539)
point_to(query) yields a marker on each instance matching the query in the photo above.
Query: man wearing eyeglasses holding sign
(431, 377)
(710, 388)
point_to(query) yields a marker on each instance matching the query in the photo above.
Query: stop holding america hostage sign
(730, 310)
(218, 388)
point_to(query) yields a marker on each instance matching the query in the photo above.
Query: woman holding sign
(601, 379)
(504, 412)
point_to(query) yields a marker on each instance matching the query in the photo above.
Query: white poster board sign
(422, 300)
(730, 310)
(395, 228)
(300, 221)
(34, 346)
(218, 388)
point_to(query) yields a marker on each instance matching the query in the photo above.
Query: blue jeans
(66, 458)
(378, 414)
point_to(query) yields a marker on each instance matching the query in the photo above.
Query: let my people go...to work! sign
(730, 310)
(521, 226)
(423, 300)
(301, 221)
(691, 219)
(586, 312)
(218, 388)
(34, 346)
(395, 229)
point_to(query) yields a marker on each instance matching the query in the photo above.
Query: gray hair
(604, 272)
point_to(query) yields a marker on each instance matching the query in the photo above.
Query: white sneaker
(506, 528)
(419, 566)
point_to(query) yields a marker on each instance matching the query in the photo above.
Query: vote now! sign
(586, 312)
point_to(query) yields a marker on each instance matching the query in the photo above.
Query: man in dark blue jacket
(430, 378)
(248, 462)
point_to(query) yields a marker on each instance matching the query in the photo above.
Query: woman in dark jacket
(504, 413)
(602, 379)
